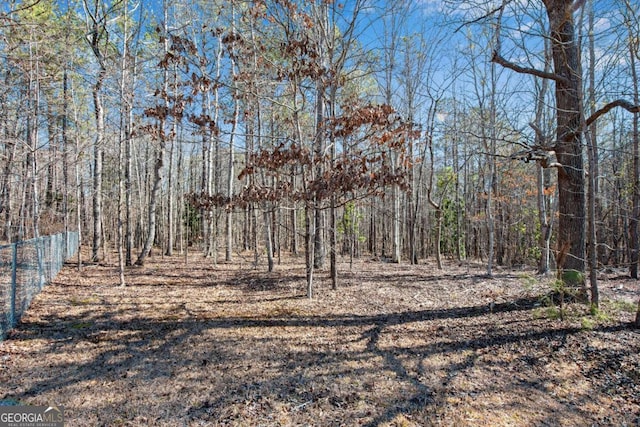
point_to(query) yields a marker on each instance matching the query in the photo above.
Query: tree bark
(234, 127)
(542, 174)
(268, 238)
(160, 135)
(592, 152)
(97, 166)
(569, 152)
(635, 209)
(567, 75)
(490, 156)
(128, 173)
(170, 180)
(122, 143)
(318, 237)
(438, 236)
(98, 36)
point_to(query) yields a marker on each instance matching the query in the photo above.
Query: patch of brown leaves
(396, 345)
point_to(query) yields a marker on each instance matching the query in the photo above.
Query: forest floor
(396, 345)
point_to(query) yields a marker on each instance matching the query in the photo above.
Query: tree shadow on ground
(235, 362)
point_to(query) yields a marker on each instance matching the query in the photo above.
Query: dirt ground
(396, 345)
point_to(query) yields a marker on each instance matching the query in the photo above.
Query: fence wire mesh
(25, 268)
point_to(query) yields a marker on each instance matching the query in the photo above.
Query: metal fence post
(14, 267)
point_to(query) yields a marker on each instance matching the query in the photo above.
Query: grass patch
(620, 306)
(81, 325)
(78, 302)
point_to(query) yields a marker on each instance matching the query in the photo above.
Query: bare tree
(97, 15)
(160, 114)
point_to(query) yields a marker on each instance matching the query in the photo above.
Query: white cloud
(431, 7)
(602, 24)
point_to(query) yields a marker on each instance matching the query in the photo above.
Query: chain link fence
(25, 267)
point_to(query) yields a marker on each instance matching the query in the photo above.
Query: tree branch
(610, 106)
(21, 8)
(480, 18)
(539, 134)
(525, 70)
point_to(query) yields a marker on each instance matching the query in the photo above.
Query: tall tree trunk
(170, 202)
(97, 166)
(294, 216)
(318, 237)
(569, 153)
(65, 150)
(438, 241)
(211, 155)
(124, 135)
(396, 245)
(431, 185)
(491, 185)
(234, 127)
(128, 172)
(268, 238)
(570, 125)
(170, 177)
(153, 199)
(592, 151)
(309, 218)
(5, 179)
(32, 163)
(6, 203)
(180, 211)
(321, 89)
(544, 241)
(333, 242)
(120, 219)
(98, 36)
(542, 174)
(333, 231)
(161, 136)
(634, 50)
(311, 230)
